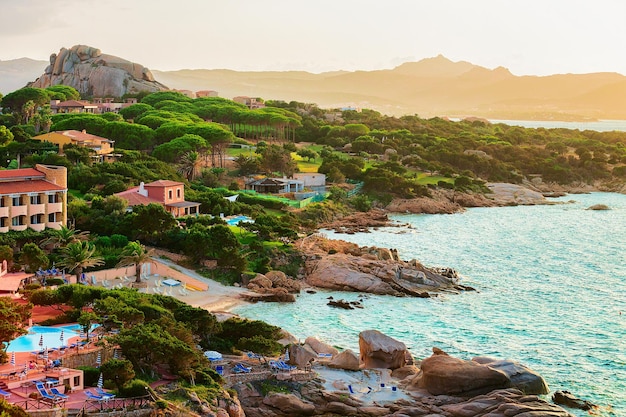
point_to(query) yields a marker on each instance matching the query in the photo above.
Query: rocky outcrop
(289, 404)
(521, 377)
(505, 403)
(378, 350)
(358, 222)
(301, 355)
(320, 347)
(276, 295)
(445, 375)
(347, 360)
(95, 74)
(599, 207)
(505, 194)
(568, 399)
(344, 266)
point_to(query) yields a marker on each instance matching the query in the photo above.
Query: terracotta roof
(135, 199)
(20, 173)
(163, 183)
(82, 136)
(74, 103)
(30, 186)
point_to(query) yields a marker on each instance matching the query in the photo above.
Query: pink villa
(169, 194)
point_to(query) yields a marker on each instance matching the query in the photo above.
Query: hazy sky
(527, 36)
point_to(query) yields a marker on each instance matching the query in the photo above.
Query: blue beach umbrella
(61, 337)
(13, 359)
(41, 342)
(45, 354)
(115, 354)
(100, 381)
(98, 360)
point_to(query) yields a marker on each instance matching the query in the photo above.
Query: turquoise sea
(551, 293)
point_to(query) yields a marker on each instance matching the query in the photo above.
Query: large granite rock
(95, 74)
(301, 355)
(445, 375)
(320, 347)
(505, 403)
(347, 360)
(364, 272)
(289, 404)
(521, 377)
(378, 350)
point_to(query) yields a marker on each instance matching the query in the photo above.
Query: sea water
(550, 284)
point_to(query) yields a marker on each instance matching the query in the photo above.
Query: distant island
(430, 87)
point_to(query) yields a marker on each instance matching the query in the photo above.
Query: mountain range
(431, 87)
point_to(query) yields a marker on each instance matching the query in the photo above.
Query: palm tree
(77, 256)
(64, 236)
(135, 254)
(190, 165)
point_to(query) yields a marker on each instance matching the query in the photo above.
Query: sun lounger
(56, 392)
(104, 394)
(286, 367)
(253, 355)
(239, 368)
(324, 355)
(5, 394)
(90, 395)
(45, 394)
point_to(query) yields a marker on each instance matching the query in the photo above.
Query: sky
(529, 37)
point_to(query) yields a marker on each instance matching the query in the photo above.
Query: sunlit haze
(528, 37)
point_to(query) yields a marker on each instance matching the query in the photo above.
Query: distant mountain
(15, 73)
(431, 87)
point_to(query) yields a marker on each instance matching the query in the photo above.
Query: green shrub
(135, 388)
(91, 375)
(259, 344)
(161, 404)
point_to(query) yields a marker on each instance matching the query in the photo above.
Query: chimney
(84, 131)
(142, 190)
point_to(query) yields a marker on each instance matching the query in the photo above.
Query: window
(35, 199)
(17, 201)
(17, 221)
(52, 217)
(178, 192)
(169, 193)
(2, 203)
(52, 198)
(4, 221)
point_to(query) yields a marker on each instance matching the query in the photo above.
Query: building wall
(35, 208)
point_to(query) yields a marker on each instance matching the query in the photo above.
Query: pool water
(235, 220)
(51, 338)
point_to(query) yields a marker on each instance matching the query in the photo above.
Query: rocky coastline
(385, 380)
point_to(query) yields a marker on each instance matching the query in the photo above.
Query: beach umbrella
(61, 337)
(13, 359)
(98, 360)
(115, 354)
(45, 354)
(213, 355)
(41, 342)
(100, 381)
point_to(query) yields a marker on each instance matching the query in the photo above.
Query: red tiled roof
(30, 186)
(135, 199)
(163, 183)
(20, 173)
(73, 103)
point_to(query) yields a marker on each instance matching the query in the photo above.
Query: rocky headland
(95, 74)
(385, 380)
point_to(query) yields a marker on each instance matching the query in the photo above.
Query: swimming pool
(235, 220)
(51, 338)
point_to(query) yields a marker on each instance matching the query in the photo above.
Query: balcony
(19, 211)
(54, 225)
(39, 227)
(19, 228)
(36, 209)
(4, 212)
(4, 229)
(55, 207)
